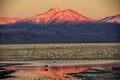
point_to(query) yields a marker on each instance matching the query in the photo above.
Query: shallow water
(58, 69)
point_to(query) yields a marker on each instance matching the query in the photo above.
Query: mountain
(57, 16)
(6, 20)
(112, 19)
(58, 26)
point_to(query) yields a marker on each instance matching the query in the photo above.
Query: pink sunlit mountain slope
(112, 19)
(57, 16)
(6, 20)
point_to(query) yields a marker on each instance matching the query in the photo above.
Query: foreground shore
(79, 51)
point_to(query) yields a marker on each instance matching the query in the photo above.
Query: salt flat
(60, 51)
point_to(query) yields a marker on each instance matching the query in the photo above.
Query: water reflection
(104, 71)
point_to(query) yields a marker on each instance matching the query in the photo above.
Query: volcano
(57, 16)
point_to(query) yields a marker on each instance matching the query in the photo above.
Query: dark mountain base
(60, 33)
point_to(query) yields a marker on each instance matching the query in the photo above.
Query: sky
(95, 9)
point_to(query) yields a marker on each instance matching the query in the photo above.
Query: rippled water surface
(62, 69)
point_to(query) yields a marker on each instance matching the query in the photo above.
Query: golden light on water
(26, 8)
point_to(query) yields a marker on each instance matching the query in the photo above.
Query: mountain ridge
(112, 19)
(58, 16)
(8, 20)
